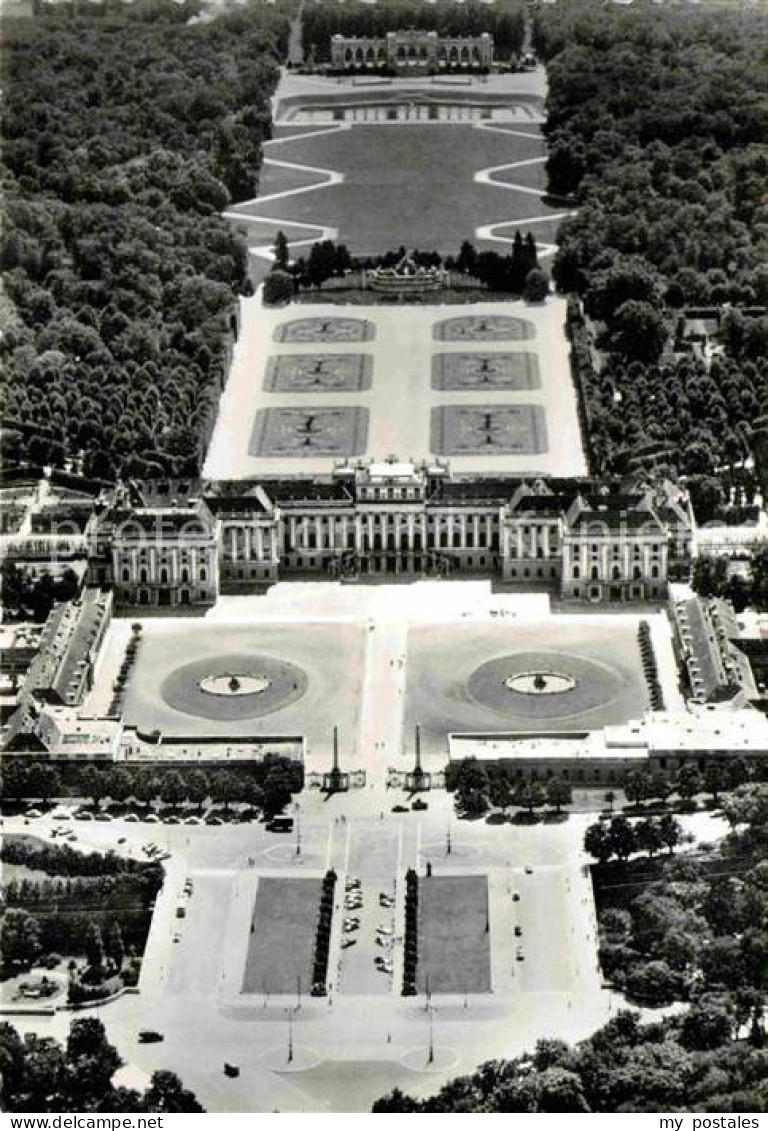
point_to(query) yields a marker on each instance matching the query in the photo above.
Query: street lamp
(431, 1049)
(290, 1036)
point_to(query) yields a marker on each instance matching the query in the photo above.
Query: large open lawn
(411, 185)
(454, 939)
(283, 928)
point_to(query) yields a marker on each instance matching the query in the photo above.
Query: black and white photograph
(384, 542)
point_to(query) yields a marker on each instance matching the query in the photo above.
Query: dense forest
(125, 133)
(657, 124)
(324, 18)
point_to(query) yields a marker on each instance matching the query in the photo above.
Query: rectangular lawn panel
(283, 936)
(473, 430)
(454, 945)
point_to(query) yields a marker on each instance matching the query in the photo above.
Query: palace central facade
(181, 543)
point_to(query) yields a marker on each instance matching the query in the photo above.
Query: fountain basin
(234, 684)
(540, 683)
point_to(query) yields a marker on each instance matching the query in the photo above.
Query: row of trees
(41, 1075)
(516, 273)
(324, 18)
(668, 166)
(481, 786)
(265, 785)
(620, 837)
(121, 276)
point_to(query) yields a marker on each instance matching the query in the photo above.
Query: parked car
(131, 817)
(152, 819)
(102, 817)
(59, 815)
(193, 820)
(518, 932)
(516, 897)
(231, 1070)
(519, 954)
(33, 813)
(213, 821)
(149, 1037)
(172, 820)
(122, 840)
(83, 815)
(400, 809)
(528, 870)
(348, 940)
(419, 805)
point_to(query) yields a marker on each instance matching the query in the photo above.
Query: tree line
(517, 273)
(126, 131)
(266, 785)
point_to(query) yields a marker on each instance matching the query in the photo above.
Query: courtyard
(492, 393)
(293, 680)
(462, 680)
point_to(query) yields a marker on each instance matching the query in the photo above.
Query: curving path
(501, 231)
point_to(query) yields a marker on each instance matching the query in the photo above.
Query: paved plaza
(496, 887)
(491, 392)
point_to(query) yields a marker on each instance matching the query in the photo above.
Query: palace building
(412, 51)
(176, 544)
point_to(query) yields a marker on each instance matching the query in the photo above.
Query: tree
(530, 796)
(278, 288)
(114, 944)
(281, 253)
(43, 781)
(536, 286)
(198, 788)
(167, 1094)
(226, 788)
(648, 836)
(688, 781)
(94, 946)
(146, 788)
(622, 837)
(670, 832)
(639, 331)
(92, 1060)
(20, 935)
(714, 779)
(637, 786)
(119, 785)
(172, 789)
(93, 783)
(705, 1026)
(597, 842)
(559, 793)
